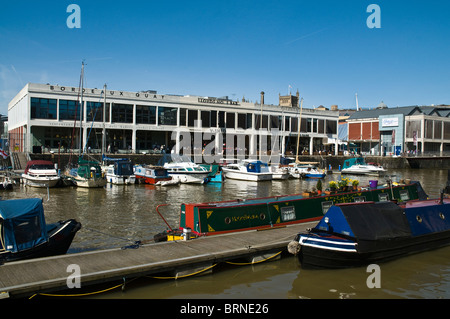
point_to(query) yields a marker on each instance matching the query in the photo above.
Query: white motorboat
(357, 166)
(248, 170)
(279, 172)
(119, 171)
(39, 173)
(187, 172)
(298, 170)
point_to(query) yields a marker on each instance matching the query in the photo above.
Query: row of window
(434, 129)
(123, 113)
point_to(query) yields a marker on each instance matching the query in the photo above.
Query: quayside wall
(324, 161)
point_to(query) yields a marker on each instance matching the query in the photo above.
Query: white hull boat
(248, 171)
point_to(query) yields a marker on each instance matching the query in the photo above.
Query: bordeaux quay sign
(149, 94)
(111, 93)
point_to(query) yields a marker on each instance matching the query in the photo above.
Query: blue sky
(234, 48)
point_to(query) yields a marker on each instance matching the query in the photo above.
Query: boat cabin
(22, 224)
(353, 161)
(39, 165)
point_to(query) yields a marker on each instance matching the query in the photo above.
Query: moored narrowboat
(212, 218)
(358, 234)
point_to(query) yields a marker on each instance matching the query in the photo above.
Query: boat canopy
(23, 223)
(255, 167)
(366, 221)
(89, 169)
(354, 161)
(39, 164)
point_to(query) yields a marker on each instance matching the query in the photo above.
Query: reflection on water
(116, 216)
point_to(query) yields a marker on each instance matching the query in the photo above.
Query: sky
(235, 48)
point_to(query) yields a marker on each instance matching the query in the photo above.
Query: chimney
(262, 97)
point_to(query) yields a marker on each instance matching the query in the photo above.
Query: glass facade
(94, 111)
(69, 110)
(43, 108)
(167, 115)
(122, 113)
(145, 114)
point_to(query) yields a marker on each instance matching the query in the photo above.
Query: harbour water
(117, 216)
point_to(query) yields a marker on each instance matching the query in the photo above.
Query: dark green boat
(230, 216)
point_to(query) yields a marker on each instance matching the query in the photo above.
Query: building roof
(375, 113)
(405, 110)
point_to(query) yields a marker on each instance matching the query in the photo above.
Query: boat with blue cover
(358, 234)
(118, 171)
(248, 170)
(24, 233)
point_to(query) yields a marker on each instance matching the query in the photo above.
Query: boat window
(404, 195)
(287, 213)
(27, 231)
(360, 199)
(383, 197)
(326, 205)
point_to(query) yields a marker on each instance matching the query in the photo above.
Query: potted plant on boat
(319, 186)
(343, 183)
(355, 184)
(333, 186)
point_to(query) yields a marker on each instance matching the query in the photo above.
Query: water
(119, 215)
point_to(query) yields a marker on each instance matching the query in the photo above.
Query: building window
(183, 116)
(221, 119)
(69, 110)
(94, 111)
(411, 127)
(205, 117)
(275, 121)
(122, 113)
(331, 127)
(167, 115)
(213, 118)
(192, 117)
(145, 114)
(231, 120)
(438, 130)
(43, 108)
(287, 122)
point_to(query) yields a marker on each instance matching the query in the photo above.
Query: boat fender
(294, 247)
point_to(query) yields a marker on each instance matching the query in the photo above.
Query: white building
(47, 117)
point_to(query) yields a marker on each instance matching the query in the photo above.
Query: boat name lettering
(244, 217)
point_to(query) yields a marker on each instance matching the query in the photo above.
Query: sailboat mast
(81, 105)
(104, 112)
(299, 126)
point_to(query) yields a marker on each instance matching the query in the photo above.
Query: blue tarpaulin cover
(23, 223)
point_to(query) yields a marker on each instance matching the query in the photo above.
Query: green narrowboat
(205, 219)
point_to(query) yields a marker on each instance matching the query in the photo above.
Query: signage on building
(390, 121)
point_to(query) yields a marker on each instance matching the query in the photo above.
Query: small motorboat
(153, 175)
(39, 173)
(248, 170)
(118, 171)
(297, 170)
(25, 233)
(187, 172)
(358, 234)
(357, 166)
(279, 172)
